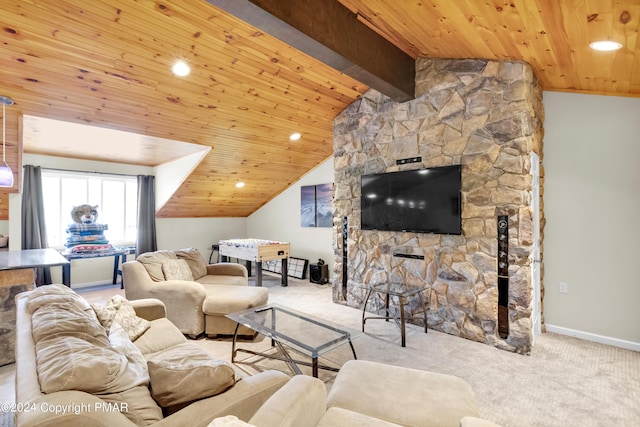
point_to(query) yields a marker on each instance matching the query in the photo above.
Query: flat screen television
(422, 201)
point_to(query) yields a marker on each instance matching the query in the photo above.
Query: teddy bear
(85, 214)
(84, 234)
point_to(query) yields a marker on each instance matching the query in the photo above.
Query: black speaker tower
(344, 256)
(503, 276)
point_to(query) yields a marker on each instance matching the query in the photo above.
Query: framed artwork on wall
(316, 205)
(308, 206)
(324, 205)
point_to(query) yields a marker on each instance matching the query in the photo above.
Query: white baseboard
(616, 342)
(92, 284)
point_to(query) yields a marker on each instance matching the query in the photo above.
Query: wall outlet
(564, 288)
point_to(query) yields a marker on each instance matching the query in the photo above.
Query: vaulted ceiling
(107, 63)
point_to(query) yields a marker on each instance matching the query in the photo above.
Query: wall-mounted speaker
(345, 256)
(319, 273)
(503, 276)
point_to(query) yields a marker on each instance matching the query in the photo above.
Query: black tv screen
(423, 201)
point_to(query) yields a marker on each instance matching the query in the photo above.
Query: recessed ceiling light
(295, 136)
(180, 68)
(239, 184)
(605, 45)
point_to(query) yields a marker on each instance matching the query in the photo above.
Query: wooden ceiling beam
(329, 32)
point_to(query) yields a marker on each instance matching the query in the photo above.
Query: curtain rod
(98, 173)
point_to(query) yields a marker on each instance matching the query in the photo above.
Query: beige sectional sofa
(72, 370)
(74, 367)
(198, 295)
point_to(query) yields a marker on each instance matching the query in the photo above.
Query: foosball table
(256, 250)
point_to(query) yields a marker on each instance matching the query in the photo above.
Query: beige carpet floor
(564, 382)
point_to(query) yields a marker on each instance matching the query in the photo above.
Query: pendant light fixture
(6, 175)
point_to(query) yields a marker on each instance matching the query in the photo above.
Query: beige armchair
(197, 295)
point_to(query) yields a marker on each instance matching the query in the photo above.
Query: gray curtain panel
(146, 241)
(34, 230)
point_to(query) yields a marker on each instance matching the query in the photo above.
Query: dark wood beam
(329, 32)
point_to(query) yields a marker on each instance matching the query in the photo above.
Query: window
(115, 195)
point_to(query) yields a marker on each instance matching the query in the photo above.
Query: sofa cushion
(121, 342)
(119, 310)
(185, 373)
(429, 398)
(343, 417)
(65, 318)
(161, 335)
(300, 402)
(141, 409)
(71, 363)
(152, 262)
(225, 299)
(215, 279)
(196, 261)
(176, 269)
(56, 294)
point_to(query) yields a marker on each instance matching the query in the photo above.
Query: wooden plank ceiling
(107, 63)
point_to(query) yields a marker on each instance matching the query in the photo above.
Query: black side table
(402, 292)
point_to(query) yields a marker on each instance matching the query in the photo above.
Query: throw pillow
(185, 373)
(176, 269)
(152, 262)
(196, 261)
(120, 310)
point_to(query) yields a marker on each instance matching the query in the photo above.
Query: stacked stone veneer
(487, 116)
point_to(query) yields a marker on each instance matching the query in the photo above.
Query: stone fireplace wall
(487, 116)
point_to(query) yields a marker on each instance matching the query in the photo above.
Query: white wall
(171, 175)
(591, 202)
(280, 220)
(198, 233)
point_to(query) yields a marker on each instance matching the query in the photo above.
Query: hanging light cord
(4, 119)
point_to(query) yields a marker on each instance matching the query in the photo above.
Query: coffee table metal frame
(402, 292)
(289, 328)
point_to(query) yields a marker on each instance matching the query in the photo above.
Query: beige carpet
(565, 382)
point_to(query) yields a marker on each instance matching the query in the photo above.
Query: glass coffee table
(402, 292)
(291, 329)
